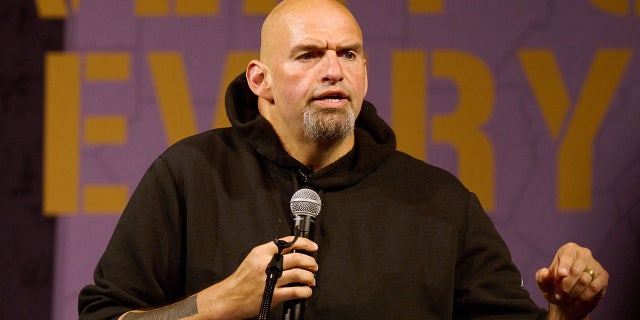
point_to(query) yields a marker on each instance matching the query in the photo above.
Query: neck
(317, 154)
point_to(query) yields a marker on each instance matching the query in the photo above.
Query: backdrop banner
(534, 105)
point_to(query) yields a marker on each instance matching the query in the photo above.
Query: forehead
(327, 26)
(313, 23)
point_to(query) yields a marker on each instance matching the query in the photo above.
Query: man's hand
(239, 296)
(573, 284)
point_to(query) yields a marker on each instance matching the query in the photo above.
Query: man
(396, 238)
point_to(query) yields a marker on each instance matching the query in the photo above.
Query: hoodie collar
(374, 140)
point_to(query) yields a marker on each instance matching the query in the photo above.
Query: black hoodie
(398, 238)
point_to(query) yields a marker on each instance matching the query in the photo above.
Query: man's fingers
(301, 244)
(299, 260)
(597, 287)
(578, 276)
(303, 280)
(564, 263)
(574, 283)
(544, 280)
(579, 273)
(576, 289)
(288, 293)
(546, 284)
(297, 276)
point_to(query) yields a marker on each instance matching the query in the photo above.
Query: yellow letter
(575, 159)
(108, 66)
(105, 130)
(575, 156)
(236, 63)
(258, 7)
(51, 9)
(463, 127)
(197, 7)
(426, 6)
(62, 130)
(61, 134)
(545, 79)
(151, 8)
(105, 198)
(616, 7)
(172, 90)
(409, 101)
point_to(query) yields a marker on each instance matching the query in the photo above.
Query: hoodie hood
(374, 140)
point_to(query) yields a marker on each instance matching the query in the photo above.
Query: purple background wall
(525, 153)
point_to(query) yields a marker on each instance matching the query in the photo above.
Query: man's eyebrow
(357, 47)
(306, 47)
(316, 47)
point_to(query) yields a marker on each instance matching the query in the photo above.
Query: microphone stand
(273, 271)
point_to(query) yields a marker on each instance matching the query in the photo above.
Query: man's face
(318, 73)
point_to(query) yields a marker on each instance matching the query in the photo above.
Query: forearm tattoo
(185, 308)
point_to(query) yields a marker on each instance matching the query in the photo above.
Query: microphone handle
(304, 225)
(294, 309)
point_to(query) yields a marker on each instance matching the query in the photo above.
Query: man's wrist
(555, 313)
(183, 309)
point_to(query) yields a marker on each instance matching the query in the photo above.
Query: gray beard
(328, 124)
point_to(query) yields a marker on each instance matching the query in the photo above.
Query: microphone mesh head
(306, 202)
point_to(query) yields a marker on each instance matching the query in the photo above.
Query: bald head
(290, 18)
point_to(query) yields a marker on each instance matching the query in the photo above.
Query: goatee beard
(329, 124)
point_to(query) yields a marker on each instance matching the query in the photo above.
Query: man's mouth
(332, 97)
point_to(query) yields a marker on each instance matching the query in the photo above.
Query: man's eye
(307, 56)
(350, 55)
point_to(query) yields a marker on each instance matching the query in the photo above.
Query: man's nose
(333, 68)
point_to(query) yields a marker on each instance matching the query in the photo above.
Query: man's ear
(366, 79)
(257, 77)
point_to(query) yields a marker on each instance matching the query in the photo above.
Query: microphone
(305, 205)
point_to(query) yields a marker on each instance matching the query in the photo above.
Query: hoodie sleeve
(141, 265)
(488, 284)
